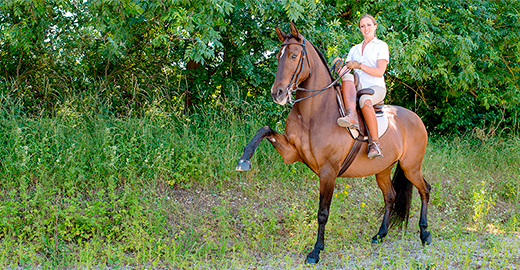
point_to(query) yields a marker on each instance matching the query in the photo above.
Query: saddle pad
(382, 125)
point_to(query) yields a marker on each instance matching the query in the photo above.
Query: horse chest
(298, 134)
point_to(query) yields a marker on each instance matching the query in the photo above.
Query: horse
(313, 137)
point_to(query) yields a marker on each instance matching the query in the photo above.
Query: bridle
(293, 83)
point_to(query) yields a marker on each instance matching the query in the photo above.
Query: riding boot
(374, 150)
(349, 99)
(349, 120)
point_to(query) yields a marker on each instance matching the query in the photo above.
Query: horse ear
(281, 35)
(294, 31)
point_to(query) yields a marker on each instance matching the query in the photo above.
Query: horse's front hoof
(313, 258)
(426, 238)
(243, 165)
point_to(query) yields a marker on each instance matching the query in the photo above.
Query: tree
(454, 62)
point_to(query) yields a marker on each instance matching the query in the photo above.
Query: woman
(368, 60)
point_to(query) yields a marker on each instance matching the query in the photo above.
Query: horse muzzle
(280, 95)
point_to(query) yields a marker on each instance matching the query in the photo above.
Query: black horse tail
(403, 197)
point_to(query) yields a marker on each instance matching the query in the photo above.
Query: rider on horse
(313, 137)
(369, 60)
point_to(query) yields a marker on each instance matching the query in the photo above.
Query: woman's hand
(374, 71)
(338, 64)
(353, 65)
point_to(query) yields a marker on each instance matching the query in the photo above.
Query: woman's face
(368, 28)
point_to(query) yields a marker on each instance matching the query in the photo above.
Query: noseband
(293, 84)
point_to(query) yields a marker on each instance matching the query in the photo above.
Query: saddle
(382, 122)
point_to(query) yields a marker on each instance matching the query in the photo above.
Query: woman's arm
(376, 71)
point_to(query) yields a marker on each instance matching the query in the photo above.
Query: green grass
(88, 191)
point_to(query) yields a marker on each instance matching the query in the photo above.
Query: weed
(482, 203)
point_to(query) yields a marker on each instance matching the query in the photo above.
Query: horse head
(293, 65)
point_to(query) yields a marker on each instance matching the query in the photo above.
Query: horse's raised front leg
(327, 180)
(279, 141)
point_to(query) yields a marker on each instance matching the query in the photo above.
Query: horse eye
(293, 56)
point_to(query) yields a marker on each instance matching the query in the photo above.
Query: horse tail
(403, 197)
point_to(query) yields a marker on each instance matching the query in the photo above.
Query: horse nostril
(279, 92)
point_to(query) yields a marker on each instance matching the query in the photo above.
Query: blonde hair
(367, 16)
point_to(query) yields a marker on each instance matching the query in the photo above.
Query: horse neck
(318, 79)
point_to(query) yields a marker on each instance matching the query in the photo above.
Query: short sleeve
(350, 54)
(383, 52)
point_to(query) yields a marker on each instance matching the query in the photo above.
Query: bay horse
(313, 137)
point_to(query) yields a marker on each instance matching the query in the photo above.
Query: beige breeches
(378, 96)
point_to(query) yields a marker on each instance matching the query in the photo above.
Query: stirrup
(376, 147)
(343, 122)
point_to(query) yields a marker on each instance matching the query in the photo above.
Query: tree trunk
(191, 67)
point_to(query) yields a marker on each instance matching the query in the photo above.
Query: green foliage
(455, 63)
(459, 58)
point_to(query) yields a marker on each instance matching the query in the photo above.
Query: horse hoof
(311, 259)
(426, 238)
(243, 165)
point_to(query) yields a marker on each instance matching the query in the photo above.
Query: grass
(89, 191)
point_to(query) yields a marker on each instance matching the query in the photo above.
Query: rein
(299, 70)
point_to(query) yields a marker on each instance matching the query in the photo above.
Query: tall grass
(84, 189)
(84, 179)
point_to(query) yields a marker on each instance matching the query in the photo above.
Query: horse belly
(391, 150)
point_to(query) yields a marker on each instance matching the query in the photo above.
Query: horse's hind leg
(414, 175)
(385, 184)
(426, 237)
(411, 164)
(279, 141)
(424, 190)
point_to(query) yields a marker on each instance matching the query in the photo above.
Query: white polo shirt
(376, 49)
